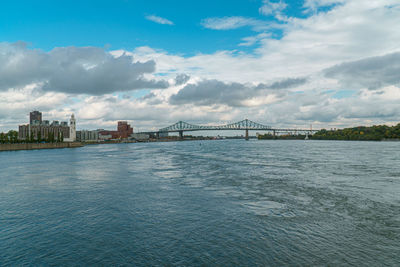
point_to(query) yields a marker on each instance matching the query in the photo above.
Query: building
(35, 117)
(72, 130)
(43, 130)
(140, 136)
(87, 136)
(103, 136)
(40, 131)
(124, 130)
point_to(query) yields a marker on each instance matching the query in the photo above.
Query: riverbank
(31, 146)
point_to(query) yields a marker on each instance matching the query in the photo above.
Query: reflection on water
(227, 202)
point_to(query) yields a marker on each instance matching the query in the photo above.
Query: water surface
(227, 202)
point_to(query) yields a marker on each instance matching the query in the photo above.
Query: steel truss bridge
(246, 125)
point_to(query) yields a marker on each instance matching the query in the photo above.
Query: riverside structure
(42, 129)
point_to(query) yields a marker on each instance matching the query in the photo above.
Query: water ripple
(228, 203)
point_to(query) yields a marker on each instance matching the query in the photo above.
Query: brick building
(124, 130)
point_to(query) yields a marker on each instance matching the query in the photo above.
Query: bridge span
(246, 125)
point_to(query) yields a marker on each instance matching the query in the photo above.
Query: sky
(329, 63)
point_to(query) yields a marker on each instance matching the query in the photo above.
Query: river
(223, 202)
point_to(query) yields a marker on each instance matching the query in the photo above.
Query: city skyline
(328, 63)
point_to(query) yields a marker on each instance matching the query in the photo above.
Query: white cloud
(159, 20)
(355, 36)
(314, 5)
(210, 92)
(307, 48)
(78, 70)
(273, 8)
(252, 40)
(230, 23)
(372, 73)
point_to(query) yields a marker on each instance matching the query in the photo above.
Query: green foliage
(3, 138)
(9, 138)
(50, 137)
(32, 137)
(39, 137)
(373, 133)
(266, 137)
(269, 136)
(58, 137)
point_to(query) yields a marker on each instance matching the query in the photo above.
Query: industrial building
(42, 129)
(87, 136)
(124, 130)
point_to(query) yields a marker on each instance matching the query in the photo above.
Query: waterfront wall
(11, 147)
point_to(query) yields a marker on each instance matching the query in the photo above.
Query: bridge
(246, 125)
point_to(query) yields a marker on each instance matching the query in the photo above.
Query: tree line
(11, 137)
(269, 136)
(362, 133)
(372, 133)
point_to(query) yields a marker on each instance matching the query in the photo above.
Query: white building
(72, 130)
(87, 136)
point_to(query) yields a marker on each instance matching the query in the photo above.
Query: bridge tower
(180, 134)
(246, 124)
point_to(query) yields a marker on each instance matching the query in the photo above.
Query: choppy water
(202, 203)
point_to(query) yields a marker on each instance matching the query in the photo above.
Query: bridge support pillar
(247, 134)
(180, 134)
(274, 134)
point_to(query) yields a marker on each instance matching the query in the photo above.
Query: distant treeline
(373, 133)
(363, 133)
(11, 137)
(269, 136)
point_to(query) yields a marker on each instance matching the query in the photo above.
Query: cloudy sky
(329, 63)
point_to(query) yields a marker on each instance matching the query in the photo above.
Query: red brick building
(124, 130)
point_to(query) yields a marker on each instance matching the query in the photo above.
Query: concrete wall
(11, 147)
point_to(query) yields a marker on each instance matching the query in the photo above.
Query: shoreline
(34, 146)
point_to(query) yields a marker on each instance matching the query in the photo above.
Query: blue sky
(329, 63)
(122, 24)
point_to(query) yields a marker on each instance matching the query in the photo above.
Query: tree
(16, 137)
(49, 137)
(32, 137)
(375, 133)
(12, 136)
(39, 137)
(2, 138)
